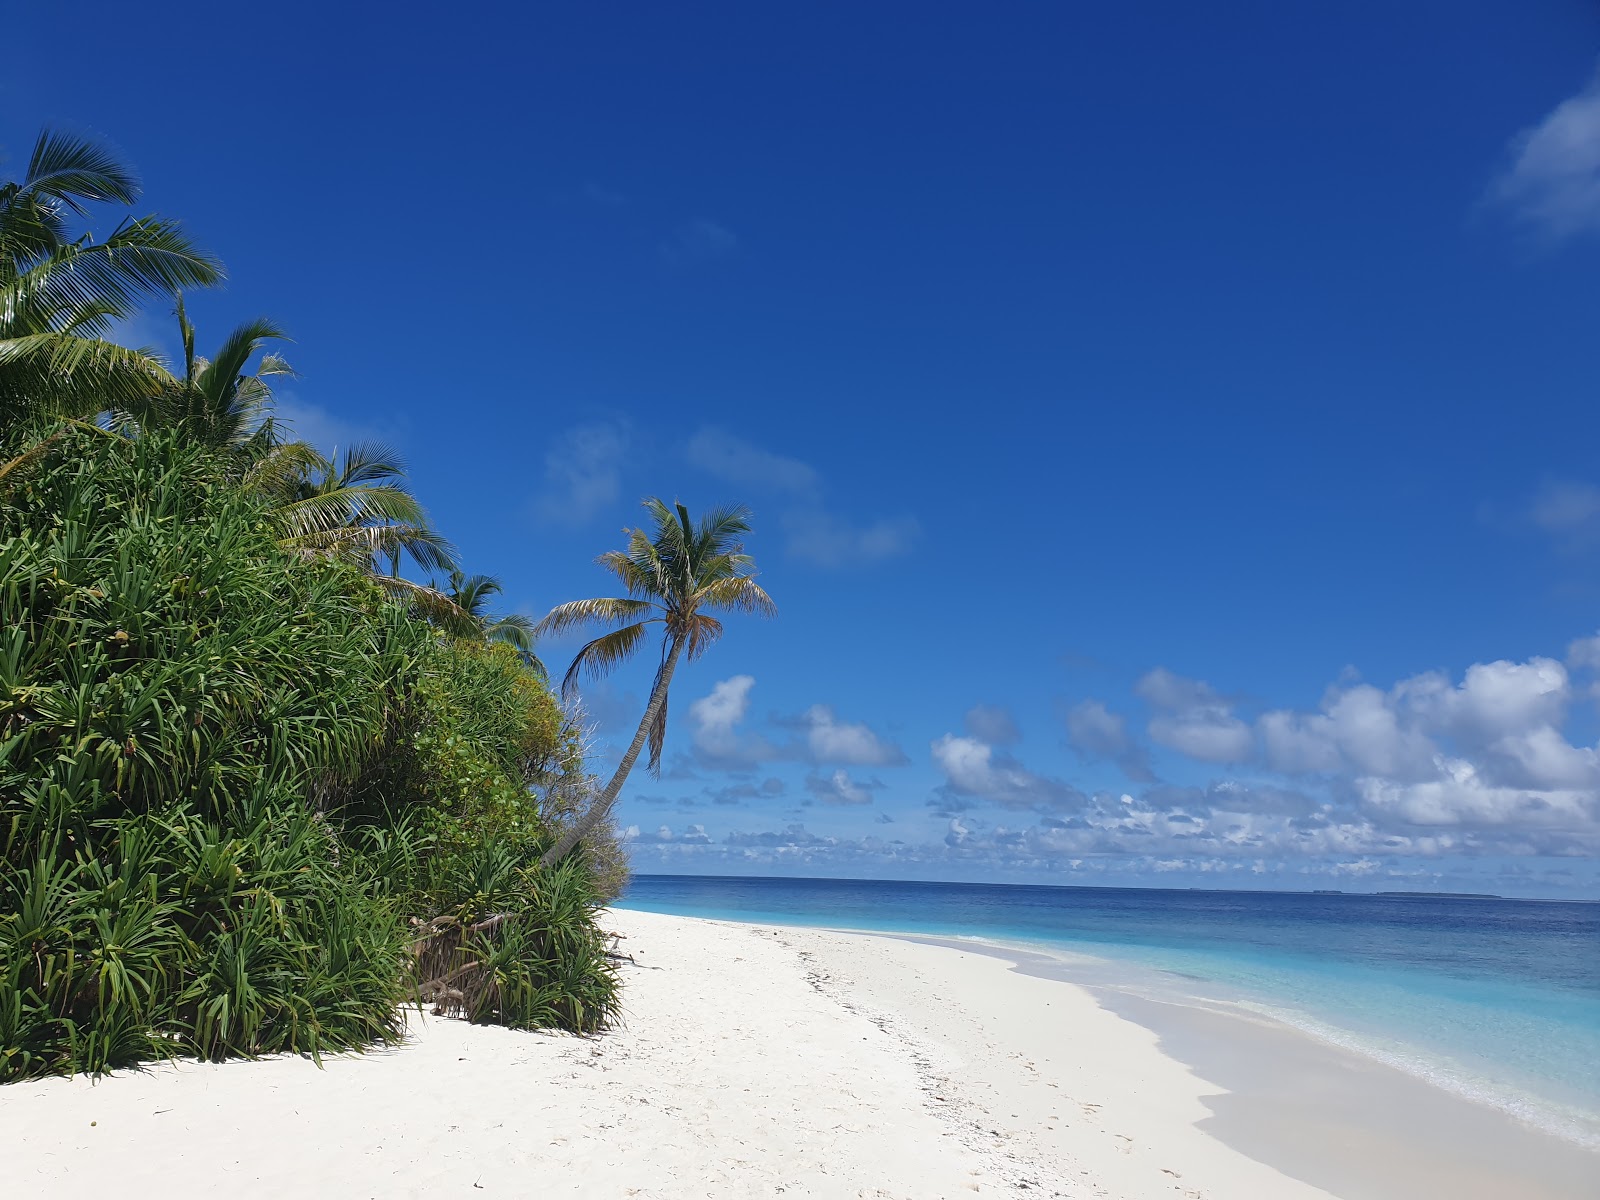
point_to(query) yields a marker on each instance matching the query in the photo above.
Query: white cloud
(829, 740)
(822, 738)
(735, 460)
(1460, 795)
(1359, 728)
(716, 717)
(1566, 507)
(992, 723)
(1584, 653)
(976, 770)
(1493, 699)
(1096, 732)
(692, 835)
(1553, 183)
(827, 540)
(583, 473)
(839, 788)
(1193, 719)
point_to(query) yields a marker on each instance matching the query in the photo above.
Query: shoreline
(1320, 1112)
(753, 1060)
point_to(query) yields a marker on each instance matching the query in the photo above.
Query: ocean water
(1497, 1000)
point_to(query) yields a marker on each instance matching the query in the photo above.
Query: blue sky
(1171, 429)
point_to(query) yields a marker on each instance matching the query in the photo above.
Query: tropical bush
(249, 799)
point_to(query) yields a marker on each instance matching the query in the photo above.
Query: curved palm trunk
(601, 808)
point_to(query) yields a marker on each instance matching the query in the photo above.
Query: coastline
(1327, 1115)
(754, 1060)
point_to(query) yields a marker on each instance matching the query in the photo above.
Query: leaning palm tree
(61, 294)
(675, 576)
(470, 594)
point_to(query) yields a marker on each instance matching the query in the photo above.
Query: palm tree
(60, 295)
(675, 576)
(220, 404)
(470, 594)
(358, 509)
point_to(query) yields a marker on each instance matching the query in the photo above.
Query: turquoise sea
(1498, 1000)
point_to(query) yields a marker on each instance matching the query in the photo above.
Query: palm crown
(676, 576)
(60, 295)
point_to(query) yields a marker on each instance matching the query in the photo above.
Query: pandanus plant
(676, 575)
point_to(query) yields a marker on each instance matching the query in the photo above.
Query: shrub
(229, 775)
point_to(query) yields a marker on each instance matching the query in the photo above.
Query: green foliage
(61, 291)
(522, 948)
(230, 773)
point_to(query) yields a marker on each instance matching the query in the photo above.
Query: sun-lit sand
(754, 1062)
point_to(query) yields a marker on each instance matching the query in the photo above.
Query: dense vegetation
(257, 788)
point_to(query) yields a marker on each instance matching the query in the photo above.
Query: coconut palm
(675, 576)
(219, 403)
(357, 508)
(471, 593)
(60, 295)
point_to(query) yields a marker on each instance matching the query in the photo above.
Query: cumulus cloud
(1584, 653)
(583, 474)
(1436, 777)
(788, 836)
(1193, 719)
(1460, 795)
(1223, 829)
(830, 740)
(692, 835)
(975, 770)
(743, 793)
(1096, 733)
(715, 718)
(992, 723)
(1552, 185)
(1485, 753)
(838, 787)
(817, 736)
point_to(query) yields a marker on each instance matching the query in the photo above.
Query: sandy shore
(754, 1062)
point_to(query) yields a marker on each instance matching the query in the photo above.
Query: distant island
(1429, 895)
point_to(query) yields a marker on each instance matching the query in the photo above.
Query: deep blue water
(1495, 999)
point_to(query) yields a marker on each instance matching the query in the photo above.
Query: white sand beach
(755, 1061)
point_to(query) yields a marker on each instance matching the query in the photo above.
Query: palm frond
(64, 374)
(430, 603)
(639, 574)
(599, 656)
(605, 610)
(370, 462)
(738, 593)
(73, 170)
(227, 365)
